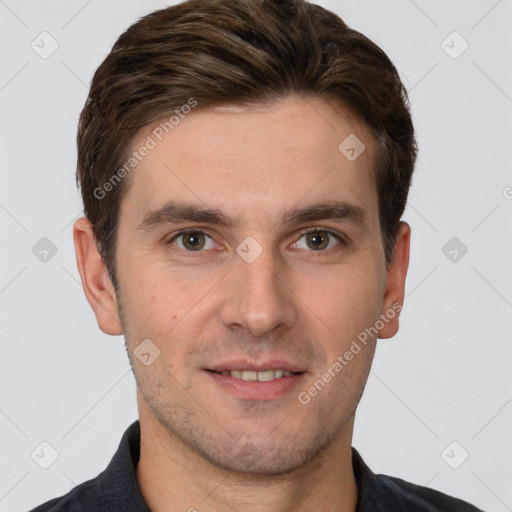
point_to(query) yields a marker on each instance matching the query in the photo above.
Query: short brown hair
(238, 52)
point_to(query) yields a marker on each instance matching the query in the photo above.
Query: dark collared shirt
(116, 488)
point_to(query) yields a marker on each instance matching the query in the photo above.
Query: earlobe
(395, 287)
(96, 283)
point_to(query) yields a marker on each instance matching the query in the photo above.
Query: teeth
(263, 376)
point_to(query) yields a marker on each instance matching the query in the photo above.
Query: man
(244, 166)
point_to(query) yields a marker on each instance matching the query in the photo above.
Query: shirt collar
(369, 488)
(118, 481)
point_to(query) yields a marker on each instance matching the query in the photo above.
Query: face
(280, 269)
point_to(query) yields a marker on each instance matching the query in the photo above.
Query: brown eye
(192, 241)
(318, 240)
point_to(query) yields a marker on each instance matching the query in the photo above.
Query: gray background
(444, 378)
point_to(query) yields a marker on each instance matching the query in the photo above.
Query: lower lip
(254, 389)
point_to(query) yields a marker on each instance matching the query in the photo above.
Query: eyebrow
(175, 212)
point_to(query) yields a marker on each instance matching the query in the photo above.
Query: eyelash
(339, 238)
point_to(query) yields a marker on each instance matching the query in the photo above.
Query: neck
(173, 478)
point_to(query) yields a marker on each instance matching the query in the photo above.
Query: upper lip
(259, 366)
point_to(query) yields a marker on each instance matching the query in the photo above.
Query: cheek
(346, 300)
(149, 307)
(348, 303)
(169, 310)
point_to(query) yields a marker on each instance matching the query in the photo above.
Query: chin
(261, 457)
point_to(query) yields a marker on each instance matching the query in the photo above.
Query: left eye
(193, 240)
(319, 240)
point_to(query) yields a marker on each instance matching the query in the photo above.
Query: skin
(201, 446)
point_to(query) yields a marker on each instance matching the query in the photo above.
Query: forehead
(249, 161)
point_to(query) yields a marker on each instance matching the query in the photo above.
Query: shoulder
(403, 495)
(383, 493)
(115, 488)
(86, 496)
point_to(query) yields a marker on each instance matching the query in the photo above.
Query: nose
(257, 296)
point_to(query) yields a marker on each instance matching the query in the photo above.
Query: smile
(261, 376)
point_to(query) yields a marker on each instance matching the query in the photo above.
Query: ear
(96, 282)
(395, 287)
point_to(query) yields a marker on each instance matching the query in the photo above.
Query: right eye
(191, 240)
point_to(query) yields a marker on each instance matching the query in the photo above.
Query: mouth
(251, 381)
(253, 375)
